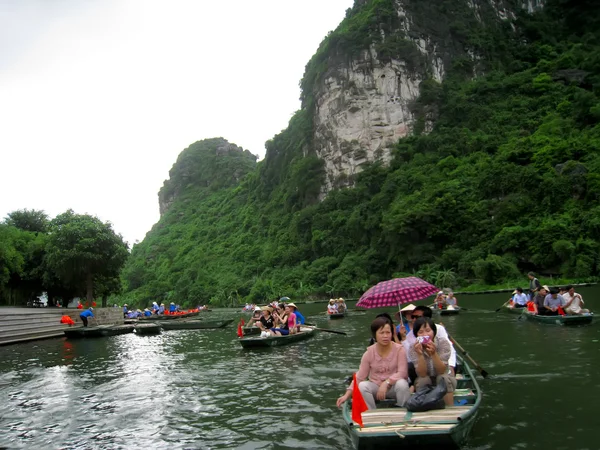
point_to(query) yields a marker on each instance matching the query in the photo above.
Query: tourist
(451, 300)
(538, 301)
(147, 312)
(341, 305)
(287, 323)
(397, 338)
(574, 302)
(411, 338)
(534, 284)
(161, 309)
(79, 305)
(125, 311)
(266, 321)
(430, 355)
(440, 300)
(172, 308)
(405, 318)
(332, 307)
(383, 369)
(155, 308)
(85, 314)
(299, 317)
(553, 302)
(519, 299)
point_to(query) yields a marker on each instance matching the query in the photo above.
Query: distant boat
(194, 324)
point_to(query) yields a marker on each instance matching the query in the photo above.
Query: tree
(28, 220)
(82, 250)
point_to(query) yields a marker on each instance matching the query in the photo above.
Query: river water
(199, 389)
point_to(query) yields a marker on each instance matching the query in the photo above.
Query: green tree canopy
(83, 250)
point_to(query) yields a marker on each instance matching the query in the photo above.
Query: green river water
(199, 389)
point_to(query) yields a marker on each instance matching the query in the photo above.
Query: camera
(423, 340)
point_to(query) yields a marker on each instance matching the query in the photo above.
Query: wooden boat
(447, 312)
(337, 315)
(274, 341)
(147, 329)
(392, 427)
(99, 331)
(194, 324)
(169, 316)
(581, 319)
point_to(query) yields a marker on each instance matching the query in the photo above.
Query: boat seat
(449, 415)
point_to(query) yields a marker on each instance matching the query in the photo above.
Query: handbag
(428, 398)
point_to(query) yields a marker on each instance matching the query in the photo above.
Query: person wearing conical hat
(341, 305)
(172, 308)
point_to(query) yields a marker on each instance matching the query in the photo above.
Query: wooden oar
(505, 303)
(483, 373)
(325, 329)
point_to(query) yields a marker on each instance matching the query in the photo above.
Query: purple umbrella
(396, 292)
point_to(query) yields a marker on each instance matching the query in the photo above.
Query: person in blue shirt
(85, 314)
(161, 310)
(125, 311)
(172, 308)
(147, 312)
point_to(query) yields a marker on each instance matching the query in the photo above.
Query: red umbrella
(396, 292)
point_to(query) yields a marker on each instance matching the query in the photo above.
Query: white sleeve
(442, 333)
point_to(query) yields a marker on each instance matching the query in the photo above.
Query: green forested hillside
(507, 181)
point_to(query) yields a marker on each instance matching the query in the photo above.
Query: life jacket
(530, 306)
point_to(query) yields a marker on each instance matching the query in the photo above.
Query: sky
(99, 97)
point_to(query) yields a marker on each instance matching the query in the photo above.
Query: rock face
(363, 109)
(362, 102)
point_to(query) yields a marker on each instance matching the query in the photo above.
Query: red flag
(358, 404)
(240, 332)
(561, 311)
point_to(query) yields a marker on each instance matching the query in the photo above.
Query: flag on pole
(358, 403)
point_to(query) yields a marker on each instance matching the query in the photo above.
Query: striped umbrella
(396, 292)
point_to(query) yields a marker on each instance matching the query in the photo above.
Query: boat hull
(194, 324)
(582, 319)
(509, 310)
(398, 428)
(447, 312)
(336, 316)
(275, 341)
(250, 331)
(146, 329)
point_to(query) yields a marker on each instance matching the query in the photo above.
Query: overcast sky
(98, 97)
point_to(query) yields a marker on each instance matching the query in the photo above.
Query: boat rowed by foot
(194, 324)
(98, 331)
(274, 341)
(389, 426)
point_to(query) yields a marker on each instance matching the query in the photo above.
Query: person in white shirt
(332, 307)
(409, 342)
(519, 299)
(574, 302)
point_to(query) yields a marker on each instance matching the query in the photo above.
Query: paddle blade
(358, 403)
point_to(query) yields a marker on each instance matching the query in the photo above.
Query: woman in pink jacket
(383, 371)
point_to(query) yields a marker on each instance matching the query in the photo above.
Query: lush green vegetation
(66, 257)
(507, 181)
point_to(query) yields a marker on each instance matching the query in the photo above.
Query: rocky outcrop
(362, 103)
(210, 163)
